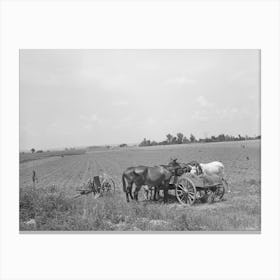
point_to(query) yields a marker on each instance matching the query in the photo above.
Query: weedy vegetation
(50, 207)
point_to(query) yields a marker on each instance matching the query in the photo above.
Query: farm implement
(98, 186)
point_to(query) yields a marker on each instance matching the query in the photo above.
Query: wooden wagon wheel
(203, 195)
(108, 185)
(185, 191)
(220, 191)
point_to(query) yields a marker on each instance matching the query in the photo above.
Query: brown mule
(132, 175)
(156, 176)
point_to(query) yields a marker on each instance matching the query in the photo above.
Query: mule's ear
(200, 169)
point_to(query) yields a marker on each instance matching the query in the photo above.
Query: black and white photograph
(140, 140)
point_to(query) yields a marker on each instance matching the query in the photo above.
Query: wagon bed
(205, 181)
(189, 188)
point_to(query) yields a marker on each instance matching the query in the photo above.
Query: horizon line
(117, 144)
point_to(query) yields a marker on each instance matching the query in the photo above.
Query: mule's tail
(123, 182)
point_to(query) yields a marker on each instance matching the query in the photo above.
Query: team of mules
(158, 177)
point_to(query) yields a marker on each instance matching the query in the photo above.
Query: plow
(98, 186)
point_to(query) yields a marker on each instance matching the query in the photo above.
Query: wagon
(190, 188)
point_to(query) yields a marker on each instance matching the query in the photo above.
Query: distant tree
(174, 140)
(221, 137)
(192, 138)
(240, 137)
(123, 145)
(228, 138)
(146, 142)
(213, 138)
(169, 138)
(185, 140)
(39, 151)
(32, 150)
(180, 137)
(143, 143)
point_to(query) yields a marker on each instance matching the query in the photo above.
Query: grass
(53, 210)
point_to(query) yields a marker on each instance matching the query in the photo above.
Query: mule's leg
(146, 192)
(136, 192)
(157, 194)
(165, 195)
(149, 192)
(128, 192)
(156, 190)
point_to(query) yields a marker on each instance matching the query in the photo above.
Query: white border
(192, 25)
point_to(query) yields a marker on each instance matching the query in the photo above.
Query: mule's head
(173, 162)
(186, 168)
(177, 168)
(195, 168)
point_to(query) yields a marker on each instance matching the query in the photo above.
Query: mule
(132, 175)
(156, 176)
(215, 168)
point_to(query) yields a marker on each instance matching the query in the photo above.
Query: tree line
(180, 138)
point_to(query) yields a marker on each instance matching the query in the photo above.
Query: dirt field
(239, 210)
(24, 157)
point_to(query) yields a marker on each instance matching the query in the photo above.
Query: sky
(72, 98)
